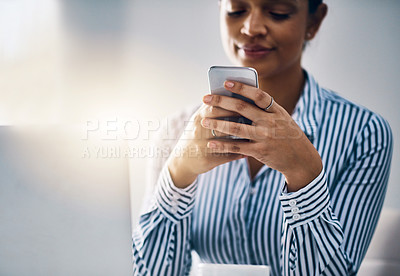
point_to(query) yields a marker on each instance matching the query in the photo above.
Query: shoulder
(172, 126)
(367, 123)
(164, 140)
(337, 101)
(179, 118)
(170, 130)
(330, 97)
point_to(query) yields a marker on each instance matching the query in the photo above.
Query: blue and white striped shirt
(227, 217)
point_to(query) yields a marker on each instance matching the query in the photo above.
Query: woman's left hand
(275, 138)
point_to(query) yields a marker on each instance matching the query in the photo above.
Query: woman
(303, 195)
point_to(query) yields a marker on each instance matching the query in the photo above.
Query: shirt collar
(307, 113)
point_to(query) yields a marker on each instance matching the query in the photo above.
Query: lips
(254, 50)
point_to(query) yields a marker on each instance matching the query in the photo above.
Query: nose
(254, 25)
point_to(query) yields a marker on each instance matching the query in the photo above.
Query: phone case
(217, 75)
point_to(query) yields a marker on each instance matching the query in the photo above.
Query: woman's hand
(191, 156)
(275, 138)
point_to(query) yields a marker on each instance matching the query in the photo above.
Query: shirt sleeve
(314, 240)
(161, 240)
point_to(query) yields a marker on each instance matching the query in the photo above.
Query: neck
(284, 87)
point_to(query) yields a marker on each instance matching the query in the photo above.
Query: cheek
(227, 35)
(291, 37)
(223, 28)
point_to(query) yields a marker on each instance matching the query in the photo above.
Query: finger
(233, 147)
(210, 111)
(217, 112)
(239, 106)
(222, 158)
(217, 134)
(215, 153)
(232, 128)
(219, 156)
(261, 98)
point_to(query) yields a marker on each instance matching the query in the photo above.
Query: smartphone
(217, 75)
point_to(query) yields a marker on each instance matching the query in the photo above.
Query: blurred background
(84, 84)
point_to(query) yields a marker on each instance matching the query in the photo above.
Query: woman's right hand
(191, 157)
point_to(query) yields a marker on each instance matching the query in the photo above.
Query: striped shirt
(227, 217)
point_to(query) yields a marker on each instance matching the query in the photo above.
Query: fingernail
(205, 122)
(229, 84)
(207, 98)
(211, 145)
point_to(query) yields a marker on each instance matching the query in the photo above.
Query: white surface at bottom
(232, 270)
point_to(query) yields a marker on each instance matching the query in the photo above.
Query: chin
(263, 69)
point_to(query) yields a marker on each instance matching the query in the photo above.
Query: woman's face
(265, 34)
